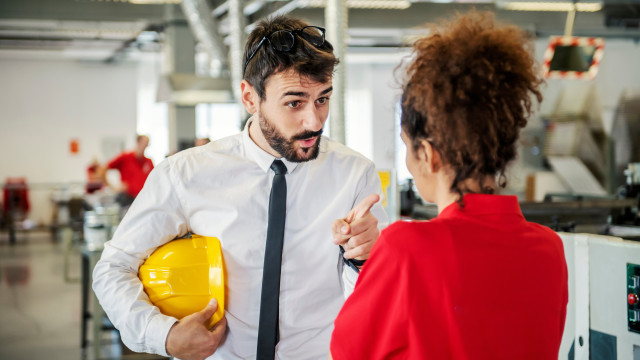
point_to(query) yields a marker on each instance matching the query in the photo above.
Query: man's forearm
(142, 327)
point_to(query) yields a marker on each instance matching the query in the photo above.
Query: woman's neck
(445, 196)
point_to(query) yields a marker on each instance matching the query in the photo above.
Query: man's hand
(189, 339)
(358, 231)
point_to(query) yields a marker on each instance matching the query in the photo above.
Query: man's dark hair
(316, 63)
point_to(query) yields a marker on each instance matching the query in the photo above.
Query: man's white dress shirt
(222, 190)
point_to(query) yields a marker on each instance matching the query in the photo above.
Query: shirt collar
(259, 156)
(484, 204)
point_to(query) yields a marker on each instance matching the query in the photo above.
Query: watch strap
(352, 263)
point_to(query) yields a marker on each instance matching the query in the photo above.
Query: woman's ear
(430, 156)
(248, 97)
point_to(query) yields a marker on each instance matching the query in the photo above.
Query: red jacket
(477, 282)
(133, 171)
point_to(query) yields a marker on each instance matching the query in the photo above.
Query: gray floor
(40, 307)
(40, 316)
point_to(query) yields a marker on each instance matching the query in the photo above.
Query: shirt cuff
(157, 332)
(349, 278)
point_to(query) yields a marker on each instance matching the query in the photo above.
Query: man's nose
(313, 119)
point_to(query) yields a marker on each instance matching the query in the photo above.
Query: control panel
(633, 297)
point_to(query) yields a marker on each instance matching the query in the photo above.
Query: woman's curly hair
(468, 91)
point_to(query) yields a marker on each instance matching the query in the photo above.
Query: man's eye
(293, 104)
(323, 100)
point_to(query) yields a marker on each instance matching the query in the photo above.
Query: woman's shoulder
(547, 234)
(404, 226)
(409, 234)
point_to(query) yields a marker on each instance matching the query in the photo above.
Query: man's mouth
(309, 142)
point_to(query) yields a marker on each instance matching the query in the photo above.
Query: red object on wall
(74, 146)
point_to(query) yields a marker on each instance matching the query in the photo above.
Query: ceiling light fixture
(365, 4)
(551, 6)
(154, 2)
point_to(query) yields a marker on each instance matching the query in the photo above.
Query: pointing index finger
(364, 206)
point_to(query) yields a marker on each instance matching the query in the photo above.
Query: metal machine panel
(570, 323)
(575, 340)
(608, 282)
(633, 295)
(607, 300)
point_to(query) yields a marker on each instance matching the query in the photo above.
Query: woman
(478, 281)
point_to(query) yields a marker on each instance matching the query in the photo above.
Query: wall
(375, 93)
(45, 102)
(358, 108)
(153, 116)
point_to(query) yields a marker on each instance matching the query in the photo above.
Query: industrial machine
(603, 315)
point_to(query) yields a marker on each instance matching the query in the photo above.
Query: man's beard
(287, 147)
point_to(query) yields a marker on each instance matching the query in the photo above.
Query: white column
(236, 50)
(336, 23)
(179, 50)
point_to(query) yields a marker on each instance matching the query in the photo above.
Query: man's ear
(430, 156)
(249, 97)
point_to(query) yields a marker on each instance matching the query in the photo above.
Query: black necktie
(269, 301)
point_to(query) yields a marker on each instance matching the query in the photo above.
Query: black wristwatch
(352, 263)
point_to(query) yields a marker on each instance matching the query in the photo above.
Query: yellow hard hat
(181, 276)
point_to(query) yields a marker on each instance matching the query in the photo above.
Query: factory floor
(41, 302)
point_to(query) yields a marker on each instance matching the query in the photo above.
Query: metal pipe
(220, 10)
(254, 6)
(336, 22)
(198, 14)
(571, 17)
(237, 39)
(289, 7)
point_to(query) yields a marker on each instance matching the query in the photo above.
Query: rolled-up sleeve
(155, 218)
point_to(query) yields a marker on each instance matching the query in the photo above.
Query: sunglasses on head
(283, 40)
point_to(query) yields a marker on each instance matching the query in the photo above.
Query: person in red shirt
(134, 168)
(478, 281)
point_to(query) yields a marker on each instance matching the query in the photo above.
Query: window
(215, 121)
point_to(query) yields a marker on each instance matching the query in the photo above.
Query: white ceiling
(102, 27)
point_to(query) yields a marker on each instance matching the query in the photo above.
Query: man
(222, 189)
(134, 168)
